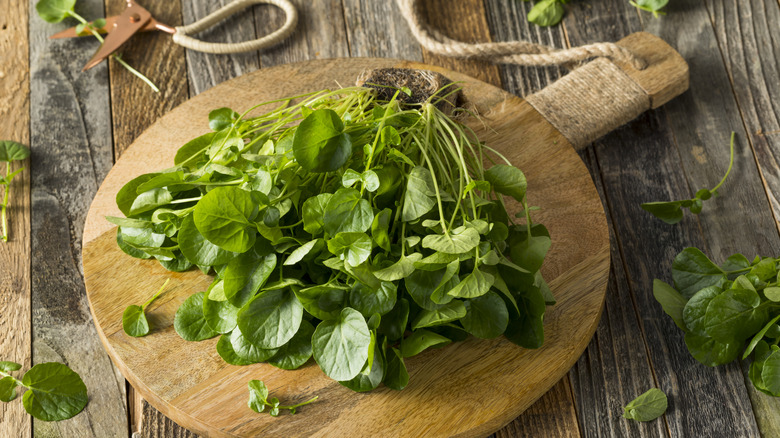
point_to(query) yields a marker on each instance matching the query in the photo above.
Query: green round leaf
(271, 319)
(7, 389)
(353, 248)
(648, 406)
(421, 340)
(340, 346)
(55, 392)
(246, 351)
(320, 145)
(7, 367)
(507, 180)
(546, 13)
(297, 352)
(459, 240)
(221, 316)
(13, 151)
(368, 378)
(323, 302)
(54, 11)
(197, 249)
(189, 321)
(228, 354)
(314, 212)
(370, 301)
(246, 274)
(347, 212)
(224, 218)
(486, 316)
(134, 321)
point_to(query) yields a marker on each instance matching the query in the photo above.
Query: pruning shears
(136, 18)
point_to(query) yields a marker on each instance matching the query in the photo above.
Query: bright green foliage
(648, 406)
(53, 391)
(134, 320)
(547, 12)
(366, 234)
(259, 401)
(671, 211)
(721, 308)
(9, 151)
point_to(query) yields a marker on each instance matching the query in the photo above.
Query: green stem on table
(5, 203)
(117, 57)
(296, 406)
(156, 295)
(731, 163)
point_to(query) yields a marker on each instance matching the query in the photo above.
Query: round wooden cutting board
(470, 388)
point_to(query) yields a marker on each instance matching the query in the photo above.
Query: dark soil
(423, 85)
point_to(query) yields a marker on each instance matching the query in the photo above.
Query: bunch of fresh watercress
(54, 11)
(9, 151)
(259, 401)
(54, 391)
(721, 308)
(355, 230)
(671, 211)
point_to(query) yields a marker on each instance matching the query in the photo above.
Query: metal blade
(71, 32)
(132, 20)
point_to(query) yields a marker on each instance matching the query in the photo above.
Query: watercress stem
(5, 203)
(156, 295)
(731, 163)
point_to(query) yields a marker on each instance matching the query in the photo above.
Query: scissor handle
(182, 37)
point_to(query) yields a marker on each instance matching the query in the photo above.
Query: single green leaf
(314, 212)
(507, 180)
(400, 269)
(695, 310)
(297, 351)
(224, 218)
(648, 406)
(735, 314)
(320, 145)
(528, 252)
(221, 316)
(353, 248)
(671, 301)
(451, 311)
(669, 212)
(55, 392)
(11, 150)
(324, 302)
(393, 324)
(228, 354)
(772, 293)
(380, 227)
(423, 285)
(134, 321)
(222, 118)
(271, 318)
(692, 271)
(459, 240)
(766, 269)
(7, 367)
(7, 389)
(302, 251)
(247, 351)
(419, 196)
(189, 321)
(246, 274)
(370, 376)
(396, 376)
(711, 352)
(421, 340)
(340, 346)
(347, 212)
(770, 373)
(370, 301)
(546, 13)
(759, 336)
(474, 285)
(258, 395)
(54, 11)
(197, 249)
(486, 316)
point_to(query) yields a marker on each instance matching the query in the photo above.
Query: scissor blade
(133, 19)
(71, 32)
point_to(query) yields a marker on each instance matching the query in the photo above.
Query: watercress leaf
(370, 180)
(692, 271)
(222, 118)
(528, 252)
(224, 218)
(695, 310)
(421, 340)
(189, 321)
(55, 392)
(772, 293)
(319, 144)
(370, 301)
(347, 212)
(314, 212)
(312, 246)
(696, 206)
(247, 351)
(271, 318)
(128, 249)
(459, 240)
(653, 6)
(648, 406)
(134, 321)
(526, 328)
(246, 274)
(435, 261)
(421, 286)
(350, 177)
(711, 352)
(546, 13)
(400, 157)
(340, 346)
(735, 262)
(418, 198)
(221, 316)
(396, 376)
(762, 353)
(197, 249)
(474, 285)
(765, 270)
(353, 248)
(7, 367)
(7, 389)
(770, 373)
(735, 314)
(669, 212)
(13, 151)
(228, 354)
(507, 180)
(127, 194)
(297, 352)
(390, 136)
(258, 395)
(324, 302)
(370, 376)
(486, 316)
(150, 200)
(393, 324)
(759, 336)
(379, 228)
(449, 312)
(671, 301)
(400, 269)
(54, 11)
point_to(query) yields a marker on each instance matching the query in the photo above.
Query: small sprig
(653, 6)
(258, 400)
(55, 11)
(54, 391)
(671, 211)
(134, 317)
(9, 151)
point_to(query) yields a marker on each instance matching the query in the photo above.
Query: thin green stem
(5, 202)
(18, 382)
(182, 201)
(156, 295)
(731, 163)
(299, 404)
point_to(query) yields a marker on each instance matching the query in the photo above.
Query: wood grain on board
(70, 122)
(201, 394)
(746, 32)
(16, 323)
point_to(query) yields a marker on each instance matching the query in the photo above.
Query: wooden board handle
(602, 95)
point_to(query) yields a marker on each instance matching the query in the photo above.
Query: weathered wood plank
(15, 326)
(641, 163)
(508, 22)
(463, 21)
(378, 29)
(204, 70)
(746, 37)
(134, 106)
(71, 144)
(552, 415)
(320, 33)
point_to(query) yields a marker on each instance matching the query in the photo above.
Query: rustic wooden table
(78, 123)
